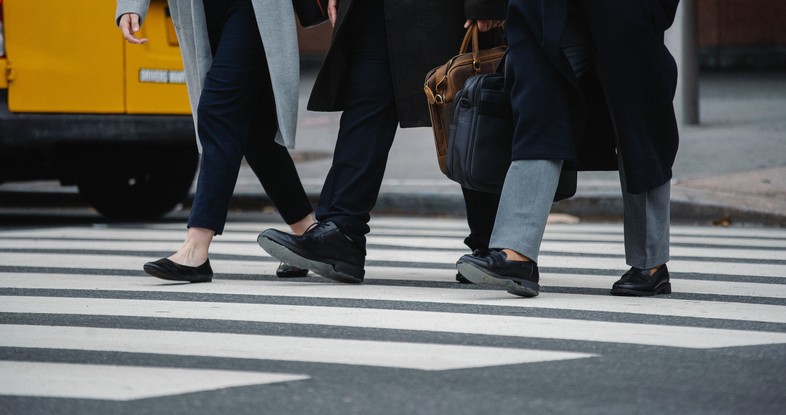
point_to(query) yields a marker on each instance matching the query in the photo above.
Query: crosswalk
(72, 295)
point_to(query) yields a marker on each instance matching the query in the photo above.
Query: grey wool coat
(422, 34)
(276, 21)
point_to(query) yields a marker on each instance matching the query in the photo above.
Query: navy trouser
(368, 126)
(236, 117)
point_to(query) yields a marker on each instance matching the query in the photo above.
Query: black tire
(142, 188)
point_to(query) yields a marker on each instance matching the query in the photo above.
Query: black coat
(633, 83)
(421, 35)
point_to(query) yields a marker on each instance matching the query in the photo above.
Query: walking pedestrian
(592, 86)
(374, 70)
(239, 57)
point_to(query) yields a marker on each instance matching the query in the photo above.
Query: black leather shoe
(639, 283)
(324, 249)
(519, 277)
(288, 271)
(477, 253)
(168, 270)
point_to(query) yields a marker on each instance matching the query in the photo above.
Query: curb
(595, 206)
(688, 206)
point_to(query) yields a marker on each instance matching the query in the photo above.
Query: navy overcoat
(632, 83)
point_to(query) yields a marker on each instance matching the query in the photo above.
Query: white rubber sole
(483, 277)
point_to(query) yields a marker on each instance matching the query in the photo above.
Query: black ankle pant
(236, 118)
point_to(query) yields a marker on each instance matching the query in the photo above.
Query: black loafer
(639, 283)
(288, 271)
(519, 277)
(462, 279)
(168, 270)
(476, 253)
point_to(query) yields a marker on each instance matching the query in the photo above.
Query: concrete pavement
(730, 169)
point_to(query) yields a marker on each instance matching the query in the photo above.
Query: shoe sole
(290, 275)
(663, 289)
(164, 276)
(336, 272)
(461, 279)
(478, 275)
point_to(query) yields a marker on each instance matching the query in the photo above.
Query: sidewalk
(729, 169)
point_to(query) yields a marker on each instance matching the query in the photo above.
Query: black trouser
(237, 117)
(481, 213)
(368, 126)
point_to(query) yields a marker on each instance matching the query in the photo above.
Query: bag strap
(505, 67)
(471, 35)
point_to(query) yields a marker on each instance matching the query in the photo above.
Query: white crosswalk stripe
(81, 289)
(121, 383)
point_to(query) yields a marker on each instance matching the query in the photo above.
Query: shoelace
(317, 225)
(313, 227)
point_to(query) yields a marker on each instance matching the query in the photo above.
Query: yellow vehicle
(80, 105)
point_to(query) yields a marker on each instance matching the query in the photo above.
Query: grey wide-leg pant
(530, 186)
(527, 198)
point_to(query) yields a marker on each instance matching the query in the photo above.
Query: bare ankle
(195, 248)
(515, 256)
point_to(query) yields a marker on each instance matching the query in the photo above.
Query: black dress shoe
(324, 249)
(639, 283)
(168, 270)
(477, 253)
(288, 271)
(519, 277)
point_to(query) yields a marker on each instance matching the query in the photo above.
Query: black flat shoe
(168, 270)
(639, 283)
(288, 271)
(519, 277)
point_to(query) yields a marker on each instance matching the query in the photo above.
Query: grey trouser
(530, 186)
(526, 201)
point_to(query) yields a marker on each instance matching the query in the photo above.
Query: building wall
(742, 34)
(741, 22)
(731, 34)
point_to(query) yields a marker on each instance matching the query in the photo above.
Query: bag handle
(471, 35)
(441, 72)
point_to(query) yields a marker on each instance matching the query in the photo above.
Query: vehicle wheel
(140, 192)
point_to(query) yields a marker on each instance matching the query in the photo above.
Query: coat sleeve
(484, 9)
(131, 6)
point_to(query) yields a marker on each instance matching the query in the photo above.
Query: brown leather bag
(443, 82)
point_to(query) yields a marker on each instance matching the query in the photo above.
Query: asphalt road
(84, 330)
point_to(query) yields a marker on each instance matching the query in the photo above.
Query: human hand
(485, 25)
(332, 10)
(129, 25)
